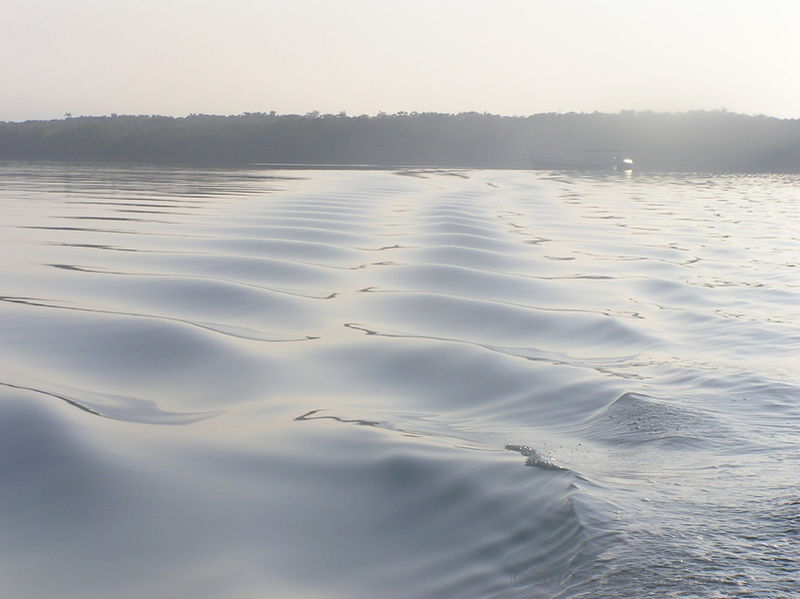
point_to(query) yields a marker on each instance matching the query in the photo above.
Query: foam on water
(251, 383)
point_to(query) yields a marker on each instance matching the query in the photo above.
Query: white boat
(593, 159)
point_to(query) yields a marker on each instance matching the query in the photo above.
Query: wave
(359, 384)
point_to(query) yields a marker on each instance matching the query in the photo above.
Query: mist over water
(250, 383)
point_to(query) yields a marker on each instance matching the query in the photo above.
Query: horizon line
(315, 114)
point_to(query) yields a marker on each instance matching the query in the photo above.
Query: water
(252, 383)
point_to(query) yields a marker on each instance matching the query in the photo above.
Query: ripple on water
(358, 384)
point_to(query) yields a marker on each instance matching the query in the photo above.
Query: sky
(511, 57)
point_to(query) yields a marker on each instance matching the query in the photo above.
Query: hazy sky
(175, 57)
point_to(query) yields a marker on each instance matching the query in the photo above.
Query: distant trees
(699, 140)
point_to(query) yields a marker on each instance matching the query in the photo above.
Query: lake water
(419, 384)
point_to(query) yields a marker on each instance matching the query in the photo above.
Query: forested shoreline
(692, 141)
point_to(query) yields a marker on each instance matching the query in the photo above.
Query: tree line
(693, 141)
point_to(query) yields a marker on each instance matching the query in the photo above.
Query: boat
(624, 164)
(592, 159)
